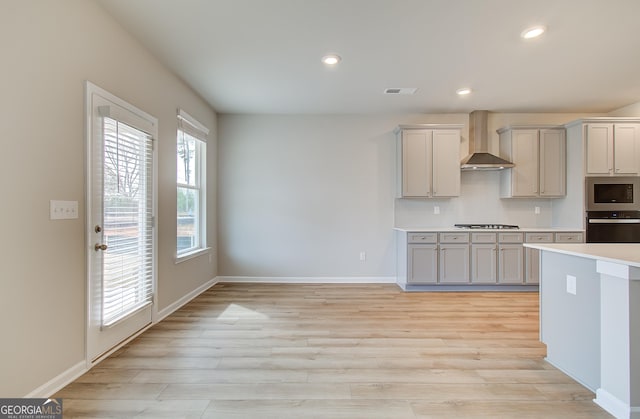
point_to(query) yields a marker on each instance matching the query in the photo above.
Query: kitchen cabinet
(466, 258)
(454, 263)
(612, 149)
(484, 261)
(510, 264)
(532, 256)
(423, 264)
(539, 156)
(453, 258)
(428, 161)
(510, 258)
(422, 258)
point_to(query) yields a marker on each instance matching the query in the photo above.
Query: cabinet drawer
(569, 238)
(483, 237)
(539, 238)
(510, 237)
(423, 237)
(454, 237)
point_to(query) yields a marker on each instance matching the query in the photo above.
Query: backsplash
(479, 202)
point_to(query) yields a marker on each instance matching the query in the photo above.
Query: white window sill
(186, 256)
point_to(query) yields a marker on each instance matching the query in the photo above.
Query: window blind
(191, 126)
(127, 281)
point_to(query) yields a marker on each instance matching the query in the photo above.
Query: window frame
(190, 127)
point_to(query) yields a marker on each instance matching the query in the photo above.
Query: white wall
(48, 50)
(302, 196)
(629, 110)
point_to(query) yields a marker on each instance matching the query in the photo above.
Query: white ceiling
(263, 56)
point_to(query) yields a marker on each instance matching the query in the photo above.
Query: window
(191, 185)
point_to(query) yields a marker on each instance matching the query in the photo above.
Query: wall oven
(613, 227)
(613, 209)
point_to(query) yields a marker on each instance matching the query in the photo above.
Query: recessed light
(463, 91)
(533, 32)
(331, 59)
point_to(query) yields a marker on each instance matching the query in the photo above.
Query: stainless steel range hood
(479, 157)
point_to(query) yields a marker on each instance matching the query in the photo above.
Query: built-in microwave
(612, 193)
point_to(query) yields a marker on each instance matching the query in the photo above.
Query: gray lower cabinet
(510, 258)
(454, 263)
(423, 264)
(532, 266)
(510, 264)
(532, 256)
(483, 263)
(483, 258)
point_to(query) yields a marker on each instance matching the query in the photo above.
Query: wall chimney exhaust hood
(479, 157)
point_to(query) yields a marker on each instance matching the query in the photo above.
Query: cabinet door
(553, 162)
(532, 266)
(510, 264)
(454, 263)
(423, 264)
(599, 149)
(446, 163)
(483, 263)
(625, 149)
(524, 176)
(416, 163)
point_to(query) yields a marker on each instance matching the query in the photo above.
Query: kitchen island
(590, 318)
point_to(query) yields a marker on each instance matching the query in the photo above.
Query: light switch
(436, 209)
(63, 210)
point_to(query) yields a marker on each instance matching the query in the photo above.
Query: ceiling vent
(400, 90)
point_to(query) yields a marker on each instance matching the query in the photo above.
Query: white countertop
(485, 230)
(622, 253)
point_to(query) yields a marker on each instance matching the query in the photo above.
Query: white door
(120, 221)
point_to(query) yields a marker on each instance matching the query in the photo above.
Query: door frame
(91, 89)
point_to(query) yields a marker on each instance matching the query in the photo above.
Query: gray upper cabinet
(428, 161)
(612, 149)
(539, 156)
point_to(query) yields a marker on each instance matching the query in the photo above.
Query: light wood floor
(335, 351)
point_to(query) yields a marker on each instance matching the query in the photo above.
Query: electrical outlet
(571, 284)
(63, 210)
(363, 256)
(536, 210)
(436, 209)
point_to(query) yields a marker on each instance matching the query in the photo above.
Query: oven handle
(614, 221)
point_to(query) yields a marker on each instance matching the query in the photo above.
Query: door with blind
(120, 221)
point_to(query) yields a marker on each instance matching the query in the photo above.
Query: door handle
(100, 247)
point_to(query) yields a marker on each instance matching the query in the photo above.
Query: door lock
(100, 247)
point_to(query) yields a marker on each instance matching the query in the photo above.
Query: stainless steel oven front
(613, 227)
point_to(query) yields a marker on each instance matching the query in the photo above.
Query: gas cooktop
(488, 226)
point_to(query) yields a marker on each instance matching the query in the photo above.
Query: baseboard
(614, 405)
(311, 279)
(160, 315)
(59, 382)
